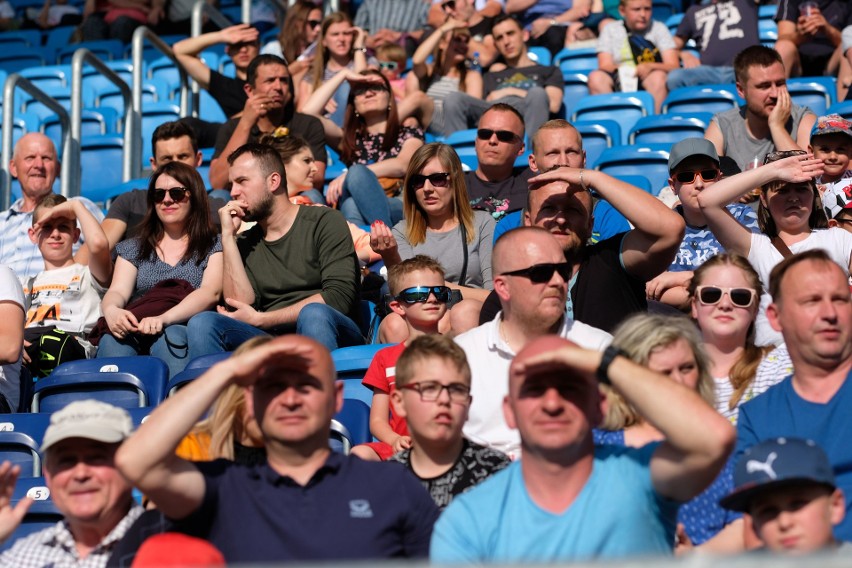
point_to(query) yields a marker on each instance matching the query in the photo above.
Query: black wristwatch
(609, 354)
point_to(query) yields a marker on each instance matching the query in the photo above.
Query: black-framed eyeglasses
(368, 88)
(542, 273)
(502, 135)
(781, 154)
(689, 177)
(238, 46)
(438, 179)
(417, 294)
(177, 194)
(430, 391)
(388, 65)
(314, 23)
(712, 295)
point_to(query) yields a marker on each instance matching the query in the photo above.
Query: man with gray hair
(78, 449)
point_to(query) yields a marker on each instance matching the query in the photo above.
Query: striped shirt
(17, 251)
(396, 15)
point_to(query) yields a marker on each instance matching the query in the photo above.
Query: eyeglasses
(429, 391)
(689, 177)
(419, 294)
(177, 194)
(712, 295)
(781, 154)
(439, 179)
(388, 65)
(542, 273)
(238, 46)
(314, 23)
(502, 135)
(368, 88)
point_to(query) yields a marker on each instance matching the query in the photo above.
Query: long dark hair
(198, 225)
(292, 36)
(354, 126)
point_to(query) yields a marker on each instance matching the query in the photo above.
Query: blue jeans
(701, 75)
(363, 200)
(171, 347)
(340, 96)
(210, 332)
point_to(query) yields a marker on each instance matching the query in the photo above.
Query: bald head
(508, 246)
(35, 165)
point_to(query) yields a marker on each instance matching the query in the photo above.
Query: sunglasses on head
(439, 179)
(781, 154)
(418, 294)
(314, 23)
(388, 65)
(177, 194)
(542, 273)
(368, 88)
(689, 177)
(712, 295)
(502, 135)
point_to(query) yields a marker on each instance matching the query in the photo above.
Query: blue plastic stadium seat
(664, 9)
(540, 55)
(583, 58)
(100, 164)
(462, 139)
(93, 122)
(355, 416)
(701, 98)
(209, 109)
(153, 115)
(767, 31)
(844, 109)
(19, 39)
(49, 76)
(639, 181)
(207, 361)
(575, 87)
(597, 137)
(650, 162)
(816, 93)
(21, 449)
(149, 369)
(334, 167)
(59, 36)
(665, 129)
(15, 60)
(95, 80)
(42, 513)
(624, 108)
(672, 22)
(767, 12)
(120, 389)
(106, 49)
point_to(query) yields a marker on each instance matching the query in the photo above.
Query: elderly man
(567, 500)
(812, 308)
(79, 448)
(305, 502)
(35, 164)
(531, 279)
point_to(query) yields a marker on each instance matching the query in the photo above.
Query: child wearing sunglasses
(420, 298)
(391, 60)
(433, 396)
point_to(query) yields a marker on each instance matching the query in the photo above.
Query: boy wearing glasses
(433, 396)
(693, 166)
(420, 298)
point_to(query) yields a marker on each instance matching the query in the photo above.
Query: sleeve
(847, 37)
(454, 538)
(362, 17)
(662, 37)
(10, 287)
(420, 519)
(607, 40)
(93, 209)
(788, 10)
(339, 268)
(198, 522)
(554, 78)
(223, 136)
(376, 376)
(129, 251)
(748, 219)
(404, 248)
(686, 28)
(120, 208)
(486, 239)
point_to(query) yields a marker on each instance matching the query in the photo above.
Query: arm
(606, 62)
(787, 31)
(10, 517)
(670, 288)
(714, 135)
(114, 230)
(554, 97)
(670, 61)
(120, 290)
(12, 331)
(187, 51)
(514, 6)
(379, 425)
(803, 133)
(473, 84)
(235, 281)
(396, 166)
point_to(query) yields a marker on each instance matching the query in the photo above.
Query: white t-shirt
(489, 357)
(10, 375)
(836, 242)
(68, 298)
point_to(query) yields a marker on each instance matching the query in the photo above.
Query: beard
(262, 210)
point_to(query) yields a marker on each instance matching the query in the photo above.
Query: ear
(693, 309)
(773, 316)
(672, 185)
(76, 234)
(527, 220)
(740, 91)
(833, 223)
(153, 163)
(509, 414)
(523, 147)
(501, 288)
(398, 404)
(274, 180)
(33, 236)
(199, 159)
(396, 308)
(838, 506)
(13, 169)
(533, 165)
(248, 89)
(526, 36)
(338, 396)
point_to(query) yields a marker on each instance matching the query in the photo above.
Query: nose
(551, 401)
(444, 396)
(289, 397)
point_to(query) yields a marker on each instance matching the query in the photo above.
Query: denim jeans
(701, 75)
(462, 111)
(171, 347)
(211, 332)
(363, 200)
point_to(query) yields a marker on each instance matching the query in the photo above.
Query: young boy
(787, 486)
(433, 396)
(420, 299)
(66, 295)
(831, 142)
(638, 52)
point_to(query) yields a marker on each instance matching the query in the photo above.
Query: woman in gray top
(439, 222)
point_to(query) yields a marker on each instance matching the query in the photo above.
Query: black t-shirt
(308, 127)
(604, 294)
(228, 92)
(131, 206)
(838, 14)
(721, 30)
(500, 197)
(523, 78)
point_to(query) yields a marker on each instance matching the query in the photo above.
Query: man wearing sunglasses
(531, 281)
(693, 166)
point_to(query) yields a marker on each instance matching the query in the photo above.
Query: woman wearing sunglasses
(372, 143)
(447, 72)
(176, 240)
(790, 217)
(440, 223)
(296, 42)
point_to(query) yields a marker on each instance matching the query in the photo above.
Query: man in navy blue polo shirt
(304, 503)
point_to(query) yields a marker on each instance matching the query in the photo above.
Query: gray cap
(90, 419)
(691, 147)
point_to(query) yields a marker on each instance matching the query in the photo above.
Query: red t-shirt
(381, 376)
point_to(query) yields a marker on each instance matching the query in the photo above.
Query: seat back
(100, 160)
(651, 162)
(624, 108)
(575, 87)
(351, 364)
(355, 416)
(152, 371)
(701, 98)
(597, 137)
(844, 109)
(20, 449)
(665, 129)
(816, 93)
(119, 389)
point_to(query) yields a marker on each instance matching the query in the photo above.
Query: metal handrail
(131, 154)
(137, 55)
(69, 149)
(200, 8)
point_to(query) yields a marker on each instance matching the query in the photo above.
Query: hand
(151, 326)
(330, 106)
(120, 322)
(25, 355)
(453, 24)
(301, 65)
(335, 190)
(257, 105)
(683, 544)
(571, 34)
(689, 60)
(781, 111)
(246, 368)
(62, 211)
(401, 443)
(643, 70)
(585, 361)
(811, 25)
(539, 27)
(656, 287)
(382, 240)
(238, 34)
(10, 517)
(230, 217)
(359, 37)
(242, 312)
(564, 173)
(796, 169)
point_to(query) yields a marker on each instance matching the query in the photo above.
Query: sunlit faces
(175, 150)
(312, 26)
(84, 484)
(724, 319)
(509, 39)
(677, 361)
(636, 14)
(435, 201)
(696, 167)
(790, 205)
(371, 98)
(835, 151)
(492, 152)
(338, 39)
(557, 147)
(566, 214)
(273, 80)
(248, 184)
(798, 519)
(425, 313)
(55, 237)
(438, 420)
(243, 53)
(300, 170)
(171, 211)
(35, 165)
(761, 89)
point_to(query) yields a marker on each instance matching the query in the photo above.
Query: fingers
(8, 478)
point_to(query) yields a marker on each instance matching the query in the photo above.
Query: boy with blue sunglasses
(420, 298)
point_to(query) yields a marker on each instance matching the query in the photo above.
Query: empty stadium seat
(355, 416)
(844, 109)
(665, 129)
(209, 109)
(13, 61)
(816, 93)
(351, 364)
(701, 98)
(106, 49)
(664, 9)
(575, 87)
(48, 76)
(153, 115)
(639, 181)
(462, 139)
(651, 162)
(100, 165)
(598, 136)
(334, 167)
(540, 55)
(59, 36)
(120, 389)
(767, 31)
(207, 361)
(21, 449)
(623, 108)
(147, 368)
(19, 39)
(576, 60)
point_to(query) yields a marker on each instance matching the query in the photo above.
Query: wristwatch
(609, 354)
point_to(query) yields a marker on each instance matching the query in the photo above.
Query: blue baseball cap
(776, 463)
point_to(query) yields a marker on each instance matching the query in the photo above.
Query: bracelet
(582, 181)
(609, 354)
(553, 22)
(361, 49)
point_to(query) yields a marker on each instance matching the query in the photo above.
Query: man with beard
(607, 280)
(294, 271)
